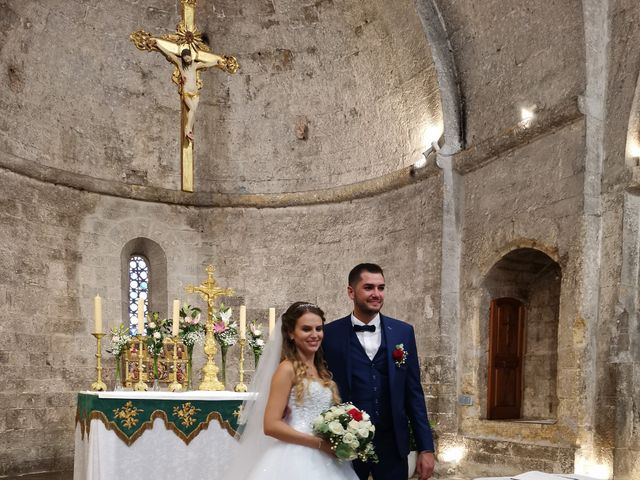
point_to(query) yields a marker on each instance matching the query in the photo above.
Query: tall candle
(141, 316)
(97, 308)
(272, 319)
(176, 318)
(243, 322)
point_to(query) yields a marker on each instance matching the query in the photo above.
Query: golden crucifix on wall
(190, 55)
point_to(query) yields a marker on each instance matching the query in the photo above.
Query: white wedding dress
(287, 461)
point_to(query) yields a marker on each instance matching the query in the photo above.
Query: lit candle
(97, 308)
(243, 322)
(141, 316)
(272, 319)
(176, 318)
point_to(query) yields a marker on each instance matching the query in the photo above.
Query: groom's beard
(363, 307)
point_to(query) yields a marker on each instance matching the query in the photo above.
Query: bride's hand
(325, 446)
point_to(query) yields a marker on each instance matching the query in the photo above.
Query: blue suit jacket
(407, 397)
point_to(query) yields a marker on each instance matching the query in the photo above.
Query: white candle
(97, 308)
(272, 319)
(243, 322)
(176, 318)
(141, 316)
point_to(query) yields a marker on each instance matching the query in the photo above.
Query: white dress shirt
(370, 341)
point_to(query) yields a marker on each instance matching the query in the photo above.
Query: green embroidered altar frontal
(129, 418)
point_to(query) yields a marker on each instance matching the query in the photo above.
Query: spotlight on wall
(453, 454)
(422, 161)
(527, 115)
(591, 468)
(633, 150)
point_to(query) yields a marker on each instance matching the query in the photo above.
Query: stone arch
(157, 259)
(533, 277)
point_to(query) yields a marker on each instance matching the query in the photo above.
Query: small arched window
(138, 288)
(144, 275)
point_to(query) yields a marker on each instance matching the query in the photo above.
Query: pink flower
(218, 327)
(196, 320)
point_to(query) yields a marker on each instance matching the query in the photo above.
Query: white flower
(257, 333)
(318, 422)
(157, 335)
(260, 342)
(335, 427)
(349, 438)
(353, 425)
(152, 325)
(365, 416)
(225, 316)
(363, 432)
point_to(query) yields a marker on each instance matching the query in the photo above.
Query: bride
(277, 441)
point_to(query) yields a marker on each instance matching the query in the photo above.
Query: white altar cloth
(159, 453)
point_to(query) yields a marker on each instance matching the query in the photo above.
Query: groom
(374, 361)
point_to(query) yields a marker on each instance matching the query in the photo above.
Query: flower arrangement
(256, 342)
(349, 431)
(399, 355)
(157, 330)
(192, 331)
(120, 337)
(225, 331)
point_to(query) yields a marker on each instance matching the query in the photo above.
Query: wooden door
(506, 353)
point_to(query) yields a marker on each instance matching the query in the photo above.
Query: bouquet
(157, 330)
(225, 330)
(256, 342)
(192, 330)
(349, 431)
(120, 338)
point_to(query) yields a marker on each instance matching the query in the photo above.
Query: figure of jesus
(188, 65)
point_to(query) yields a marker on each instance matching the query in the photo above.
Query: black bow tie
(364, 328)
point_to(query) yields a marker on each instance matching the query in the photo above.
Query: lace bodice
(317, 399)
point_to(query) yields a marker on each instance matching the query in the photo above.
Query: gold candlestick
(241, 387)
(140, 386)
(175, 386)
(209, 291)
(99, 385)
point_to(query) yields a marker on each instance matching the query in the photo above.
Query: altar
(155, 435)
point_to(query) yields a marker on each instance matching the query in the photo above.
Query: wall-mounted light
(527, 115)
(422, 161)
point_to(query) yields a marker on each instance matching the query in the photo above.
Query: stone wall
(57, 258)
(530, 197)
(356, 77)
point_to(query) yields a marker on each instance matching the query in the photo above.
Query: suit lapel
(391, 340)
(346, 345)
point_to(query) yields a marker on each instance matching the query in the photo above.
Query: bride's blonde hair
(290, 352)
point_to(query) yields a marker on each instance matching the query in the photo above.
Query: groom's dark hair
(354, 274)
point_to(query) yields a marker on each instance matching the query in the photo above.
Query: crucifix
(210, 291)
(190, 54)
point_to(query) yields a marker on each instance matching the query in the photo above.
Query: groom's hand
(424, 465)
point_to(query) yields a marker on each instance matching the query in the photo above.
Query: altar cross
(209, 289)
(187, 51)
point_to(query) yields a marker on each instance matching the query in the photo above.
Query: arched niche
(531, 279)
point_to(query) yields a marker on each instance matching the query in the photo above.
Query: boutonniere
(399, 355)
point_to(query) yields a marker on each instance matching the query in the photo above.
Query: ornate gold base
(241, 387)
(140, 386)
(98, 386)
(210, 381)
(175, 387)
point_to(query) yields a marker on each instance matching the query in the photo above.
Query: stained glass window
(138, 288)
